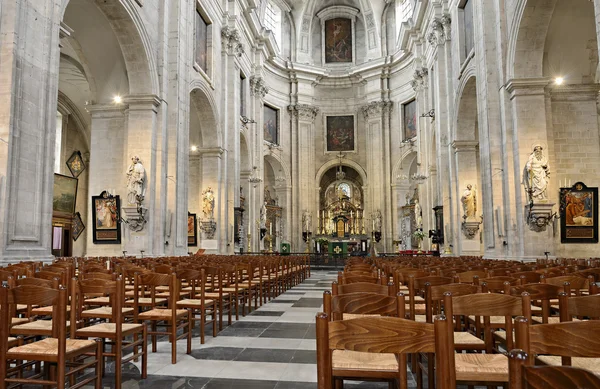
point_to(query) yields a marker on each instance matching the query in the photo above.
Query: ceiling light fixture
(194, 148)
(117, 99)
(559, 80)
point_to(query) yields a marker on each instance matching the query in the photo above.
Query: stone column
(29, 44)
(528, 100)
(378, 167)
(106, 168)
(258, 90)
(303, 117)
(231, 49)
(140, 140)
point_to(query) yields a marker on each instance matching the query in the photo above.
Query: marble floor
(271, 348)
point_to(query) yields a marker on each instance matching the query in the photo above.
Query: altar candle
(351, 214)
(270, 229)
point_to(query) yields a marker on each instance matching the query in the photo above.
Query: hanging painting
(340, 133)
(409, 111)
(579, 214)
(77, 226)
(75, 164)
(271, 124)
(201, 42)
(107, 226)
(338, 40)
(192, 230)
(64, 195)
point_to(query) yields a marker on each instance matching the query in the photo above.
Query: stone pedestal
(539, 216)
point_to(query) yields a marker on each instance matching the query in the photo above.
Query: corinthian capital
(439, 31)
(376, 108)
(420, 79)
(231, 41)
(258, 87)
(304, 112)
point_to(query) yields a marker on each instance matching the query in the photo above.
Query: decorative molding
(377, 108)
(447, 27)
(470, 229)
(539, 215)
(420, 79)
(258, 87)
(136, 217)
(232, 41)
(337, 11)
(304, 112)
(465, 145)
(527, 87)
(436, 35)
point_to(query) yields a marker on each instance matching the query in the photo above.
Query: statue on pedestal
(469, 203)
(136, 181)
(418, 215)
(208, 203)
(536, 175)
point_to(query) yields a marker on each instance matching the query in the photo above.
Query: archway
(405, 193)
(466, 162)
(204, 190)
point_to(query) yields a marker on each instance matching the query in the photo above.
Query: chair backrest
(385, 335)
(365, 287)
(576, 283)
(487, 305)
(579, 306)
(151, 281)
(350, 279)
(499, 284)
(539, 292)
(115, 290)
(470, 277)
(362, 304)
(543, 377)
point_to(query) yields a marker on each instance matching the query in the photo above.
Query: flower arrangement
(323, 241)
(419, 234)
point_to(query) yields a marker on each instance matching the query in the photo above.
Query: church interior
(229, 169)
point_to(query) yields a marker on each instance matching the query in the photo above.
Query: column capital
(211, 152)
(142, 102)
(258, 87)
(465, 145)
(106, 110)
(527, 86)
(420, 79)
(439, 31)
(304, 112)
(376, 108)
(231, 43)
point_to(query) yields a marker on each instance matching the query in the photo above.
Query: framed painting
(192, 230)
(271, 125)
(409, 112)
(65, 195)
(579, 214)
(75, 164)
(106, 214)
(340, 133)
(77, 226)
(338, 40)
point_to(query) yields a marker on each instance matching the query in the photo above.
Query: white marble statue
(263, 215)
(377, 221)
(418, 215)
(136, 181)
(306, 221)
(469, 202)
(536, 175)
(208, 203)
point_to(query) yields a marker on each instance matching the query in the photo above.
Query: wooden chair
(115, 330)
(363, 287)
(171, 317)
(486, 368)
(575, 343)
(54, 351)
(198, 304)
(375, 348)
(223, 299)
(544, 377)
(353, 305)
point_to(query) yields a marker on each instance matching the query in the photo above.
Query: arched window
(272, 20)
(404, 10)
(345, 189)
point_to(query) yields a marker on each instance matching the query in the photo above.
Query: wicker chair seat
(213, 295)
(481, 367)
(354, 360)
(239, 288)
(147, 301)
(167, 294)
(591, 364)
(45, 311)
(161, 314)
(493, 319)
(108, 330)
(103, 312)
(98, 301)
(461, 338)
(36, 327)
(47, 349)
(194, 303)
(18, 320)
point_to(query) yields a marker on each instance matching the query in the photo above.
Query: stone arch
(205, 108)
(334, 162)
(245, 156)
(527, 38)
(135, 42)
(466, 112)
(404, 163)
(277, 163)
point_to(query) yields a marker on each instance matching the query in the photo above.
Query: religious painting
(64, 195)
(340, 133)
(338, 40)
(75, 164)
(77, 226)
(192, 229)
(107, 225)
(201, 42)
(409, 111)
(579, 214)
(271, 125)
